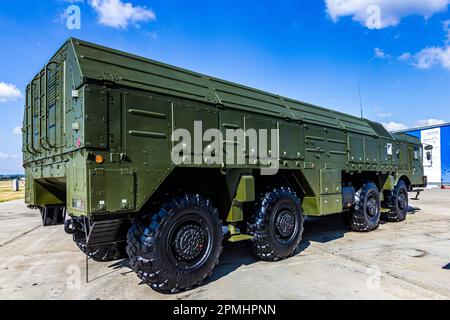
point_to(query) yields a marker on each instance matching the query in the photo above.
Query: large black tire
(367, 212)
(398, 206)
(103, 253)
(276, 225)
(178, 247)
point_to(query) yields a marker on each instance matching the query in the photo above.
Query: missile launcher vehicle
(143, 160)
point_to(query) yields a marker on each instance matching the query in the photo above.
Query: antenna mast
(360, 98)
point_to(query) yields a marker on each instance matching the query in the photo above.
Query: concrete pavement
(408, 260)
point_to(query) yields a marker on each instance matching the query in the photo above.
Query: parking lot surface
(408, 260)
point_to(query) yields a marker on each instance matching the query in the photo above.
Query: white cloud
(379, 14)
(431, 56)
(384, 115)
(17, 131)
(381, 113)
(117, 14)
(379, 53)
(9, 92)
(7, 156)
(153, 35)
(429, 122)
(446, 26)
(395, 126)
(405, 56)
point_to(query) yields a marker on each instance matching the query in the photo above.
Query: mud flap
(53, 215)
(106, 232)
(101, 233)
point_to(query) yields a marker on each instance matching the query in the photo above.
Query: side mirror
(428, 148)
(429, 155)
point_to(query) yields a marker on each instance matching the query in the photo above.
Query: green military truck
(103, 156)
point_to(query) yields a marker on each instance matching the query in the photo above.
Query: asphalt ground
(407, 260)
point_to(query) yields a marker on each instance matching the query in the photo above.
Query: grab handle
(29, 123)
(42, 96)
(46, 139)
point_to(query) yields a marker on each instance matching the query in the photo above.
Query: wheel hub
(372, 206)
(402, 202)
(189, 242)
(285, 224)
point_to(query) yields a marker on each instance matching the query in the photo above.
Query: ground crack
(17, 237)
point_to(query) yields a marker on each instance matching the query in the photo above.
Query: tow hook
(71, 226)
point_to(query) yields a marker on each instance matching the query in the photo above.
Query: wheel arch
(405, 179)
(293, 179)
(221, 185)
(218, 186)
(357, 180)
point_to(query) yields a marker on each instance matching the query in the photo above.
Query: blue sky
(308, 50)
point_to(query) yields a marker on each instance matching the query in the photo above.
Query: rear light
(78, 204)
(99, 159)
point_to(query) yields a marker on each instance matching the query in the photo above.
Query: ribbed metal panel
(99, 63)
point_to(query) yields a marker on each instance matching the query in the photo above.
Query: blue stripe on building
(445, 153)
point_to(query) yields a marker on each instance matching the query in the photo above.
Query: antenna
(360, 98)
(359, 86)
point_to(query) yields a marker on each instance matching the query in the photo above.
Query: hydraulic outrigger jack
(418, 191)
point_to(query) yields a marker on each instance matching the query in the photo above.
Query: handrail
(33, 86)
(43, 133)
(43, 146)
(47, 140)
(28, 124)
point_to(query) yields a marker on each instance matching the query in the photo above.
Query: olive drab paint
(90, 102)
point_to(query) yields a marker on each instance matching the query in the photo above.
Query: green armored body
(160, 164)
